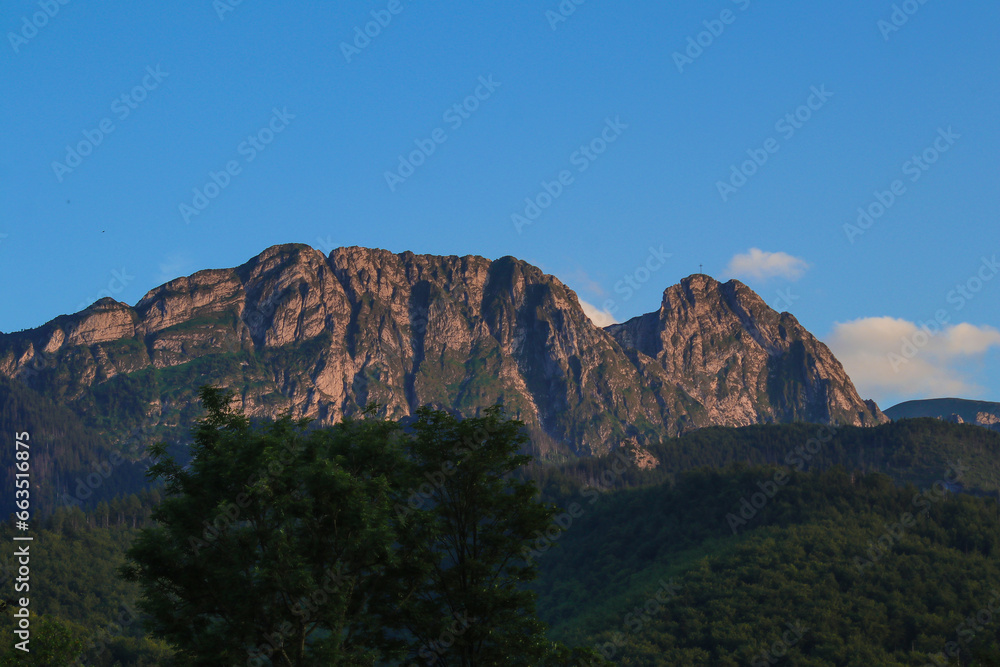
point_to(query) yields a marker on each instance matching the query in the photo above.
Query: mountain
(319, 336)
(959, 410)
(740, 360)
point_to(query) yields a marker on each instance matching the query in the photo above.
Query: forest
(877, 550)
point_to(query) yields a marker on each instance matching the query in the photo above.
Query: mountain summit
(321, 336)
(742, 362)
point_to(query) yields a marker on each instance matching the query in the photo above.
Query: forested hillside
(836, 568)
(71, 464)
(699, 550)
(76, 593)
(910, 450)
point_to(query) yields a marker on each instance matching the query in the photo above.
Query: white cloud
(762, 265)
(895, 357)
(601, 318)
(968, 339)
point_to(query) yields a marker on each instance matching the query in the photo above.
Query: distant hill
(912, 451)
(655, 575)
(959, 410)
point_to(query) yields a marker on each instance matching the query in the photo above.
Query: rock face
(295, 331)
(740, 360)
(988, 419)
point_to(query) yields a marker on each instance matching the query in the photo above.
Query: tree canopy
(359, 544)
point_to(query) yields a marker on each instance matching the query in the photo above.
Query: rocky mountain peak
(293, 330)
(741, 360)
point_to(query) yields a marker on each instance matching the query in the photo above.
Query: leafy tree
(275, 545)
(357, 544)
(471, 524)
(53, 642)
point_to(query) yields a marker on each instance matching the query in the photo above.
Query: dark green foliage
(913, 450)
(53, 642)
(641, 533)
(70, 463)
(357, 544)
(810, 557)
(273, 544)
(470, 525)
(76, 593)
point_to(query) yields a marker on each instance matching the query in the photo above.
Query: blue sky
(639, 121)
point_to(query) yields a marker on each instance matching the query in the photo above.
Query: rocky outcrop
(988, 419)
(294, 331)
(740, 360)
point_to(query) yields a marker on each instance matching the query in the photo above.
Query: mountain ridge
(320, 336)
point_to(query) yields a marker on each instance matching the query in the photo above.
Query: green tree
(53, 642)
(470, 524)
(358, 544)
(133, 508)
(275, 544)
